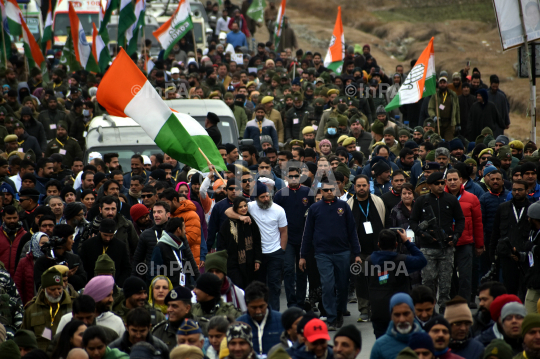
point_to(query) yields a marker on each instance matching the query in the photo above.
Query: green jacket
(241, 119)
(221, 308)
(63, 87)
(166, 331)
(49, 119)
(120, 309)
(69, 147)
(37, 317)
(432, 110)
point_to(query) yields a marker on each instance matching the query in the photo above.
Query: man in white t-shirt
(272, 223)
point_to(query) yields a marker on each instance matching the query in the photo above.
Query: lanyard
(105, 249)
(515, 213)
(53, 316)
(57, 140)
(20, 143)
(260, 126)
(531, 237)
(364, 213)
(444, 97)
(459, 197)
(179, 260)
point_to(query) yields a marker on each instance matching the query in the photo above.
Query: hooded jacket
(187, 211)
(34, 128)
(168, 250)
(484, 115)
(474, 229)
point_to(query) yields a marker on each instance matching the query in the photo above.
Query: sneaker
(323, 318)
(331, 327)
(346, 313)
(363, 318)
(352, 298)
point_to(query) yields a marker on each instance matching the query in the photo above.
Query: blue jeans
(270, 273)
(334, 270)
(292, 258)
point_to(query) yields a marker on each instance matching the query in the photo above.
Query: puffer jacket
(187, 211)
(474, 229)
(24, 278)
(8, 249)
(145, 248)
(489, 203)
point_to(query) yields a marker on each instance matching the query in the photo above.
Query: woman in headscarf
(159, 288)
(24, 275)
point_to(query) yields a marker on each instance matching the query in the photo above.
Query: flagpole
(437, 109)
(209, 163)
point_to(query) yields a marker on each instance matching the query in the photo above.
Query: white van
(88, 12)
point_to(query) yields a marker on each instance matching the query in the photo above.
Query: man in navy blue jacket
(331, 231)
(295, 200)
(218, 217)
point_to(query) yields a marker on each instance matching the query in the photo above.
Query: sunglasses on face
(231, 188)
(294, 176)
(440, 183)
(147, 195)
(327, 189)
(247, 180)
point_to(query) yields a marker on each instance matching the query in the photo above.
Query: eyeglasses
(294, 176)
(327, 189)
(147, 195)
(247, 180)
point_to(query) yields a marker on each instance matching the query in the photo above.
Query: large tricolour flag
(279, 23)
(13, 14)
(100, 50)
(5, 44)
(420, 82)
(32, 51)
(175, 28)
(126, 19)
(46, 40)
(177, 134)
(83, 51)
(336, 50)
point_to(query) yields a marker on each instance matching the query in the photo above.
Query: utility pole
(531, 69)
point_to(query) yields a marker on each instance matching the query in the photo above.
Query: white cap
(146, 160)
(175, 70)
(222, 36)
(94, 155)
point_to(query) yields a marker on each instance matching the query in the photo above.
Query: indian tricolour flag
(32, 51)
(279, 23)
(133, 33)
(336, 50)
(103, 31)
(13, 15)
(83, 51)
(46, 39)
(179, 135)
(125, 20)
(175, 28)
(100, 50)
(5, 45)
(420, 82)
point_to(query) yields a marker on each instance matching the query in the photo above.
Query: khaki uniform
(37, 317)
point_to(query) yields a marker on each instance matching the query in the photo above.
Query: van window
(149, 29)
(61, 23)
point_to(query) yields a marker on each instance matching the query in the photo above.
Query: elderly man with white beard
(43, 314)
(272, 223)
(400, 329)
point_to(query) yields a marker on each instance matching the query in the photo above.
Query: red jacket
(8, 250)
(24, 278)
(474, 229)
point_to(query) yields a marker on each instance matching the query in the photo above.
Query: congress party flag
(46, 40)
(177, 134)
(100, 50)
(420, 82)
(134, 32)
(126, 20)
(279, 23)
(175, 28)
(336, 50)
(13, 16)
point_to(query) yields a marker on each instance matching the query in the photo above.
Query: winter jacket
(167, 251)
(469, 348)
(465, 104)
(8, 248)
(506, 225)
(126, 233)
(187, 211)
(123, 344)
(253, 132)
(241, 119)
(78, 280)
(399, 216)
(93, 247)
(330, 228)
(293, 119)
(474, 188)
(78, 126)
(389, 345)
(474, 230)
(35, 128)
(30, 143)
(24, 278)
(448, 214)
(489, 202)
(501, 102)
(363, 141)
(484, 115)
(145, 248)
(296, 203)
(494, 332)
(263, 342)
(217, 218)
(221, 308)
(455, 116)
(50, 119)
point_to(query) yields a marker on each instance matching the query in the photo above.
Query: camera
(48, 247)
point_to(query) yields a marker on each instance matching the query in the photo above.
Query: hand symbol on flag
(415, 75)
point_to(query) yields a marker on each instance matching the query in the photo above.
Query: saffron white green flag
(125, 20)
(420, 82)
(134, 32)
(178, 135)
(175, 28)
(46, 39)
(13, 15)
(336, 50)
(100, 50)
(279, 23)
(82, 49)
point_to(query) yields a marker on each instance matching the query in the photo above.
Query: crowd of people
(417, 216)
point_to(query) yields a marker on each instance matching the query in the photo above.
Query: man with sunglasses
(450, 222)
(295, 200)
(218, 217)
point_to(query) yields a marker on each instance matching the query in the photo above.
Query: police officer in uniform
(178, 303)
(428, 168)
(64, 145)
